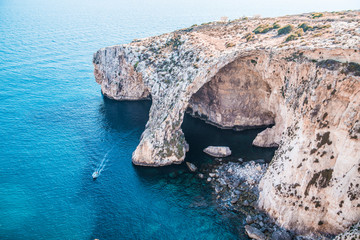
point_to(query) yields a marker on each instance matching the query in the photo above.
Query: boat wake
(101, 167)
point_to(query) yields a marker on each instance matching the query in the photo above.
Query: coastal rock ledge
(303, 82)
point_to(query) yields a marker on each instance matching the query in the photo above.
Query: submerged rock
(172, 174)
(218, 151)
(191, 167)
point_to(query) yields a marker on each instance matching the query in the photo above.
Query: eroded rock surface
(218, 151)
(306, 88)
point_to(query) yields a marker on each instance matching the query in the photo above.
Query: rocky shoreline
(235, 188)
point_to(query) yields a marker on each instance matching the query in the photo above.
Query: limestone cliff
(298, 74)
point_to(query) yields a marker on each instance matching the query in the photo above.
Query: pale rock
(218, 151)
(254, 233)
(191, 166)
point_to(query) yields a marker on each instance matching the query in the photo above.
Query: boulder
(280, 235)
(191, 166)
(218, 151)
(254, 233)
(234, 200)
(249, 219)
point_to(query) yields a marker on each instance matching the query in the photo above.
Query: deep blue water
(56, 128)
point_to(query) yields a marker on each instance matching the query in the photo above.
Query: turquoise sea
(56, 128)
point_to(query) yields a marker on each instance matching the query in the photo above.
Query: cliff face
(308, 88)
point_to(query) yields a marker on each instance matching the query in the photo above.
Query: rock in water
(249, 219)
(218, 151)
(254, 233)
(191, 166)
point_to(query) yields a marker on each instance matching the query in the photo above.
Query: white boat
(95, 174)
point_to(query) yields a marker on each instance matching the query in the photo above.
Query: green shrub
(322, 27)
(136, 64)
(276, 26)
(262, 29)
(317, 15)
(291, 37)
(285, 30)
(305, 27)
(299, 32)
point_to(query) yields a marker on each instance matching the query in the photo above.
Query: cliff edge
(298, 74)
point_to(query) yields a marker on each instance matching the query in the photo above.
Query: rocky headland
(299, 75)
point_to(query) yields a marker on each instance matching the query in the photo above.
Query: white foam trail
(104, 160)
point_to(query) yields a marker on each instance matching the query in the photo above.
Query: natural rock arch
(309, 88)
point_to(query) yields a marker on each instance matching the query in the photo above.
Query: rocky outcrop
(218, 151)
(254, 233)
(304, 84)
(352, 233)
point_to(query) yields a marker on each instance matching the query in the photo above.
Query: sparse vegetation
(207, 23)
(249, 36)
(262, 29)
(316, 15)
(291, 37)
(285, 30)
(136, 64)
(322, 27)
(276, 25)
(175, 42)
(320, 180)
(317, 35)
(305, 27)
(299, 32)
(229, 44)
